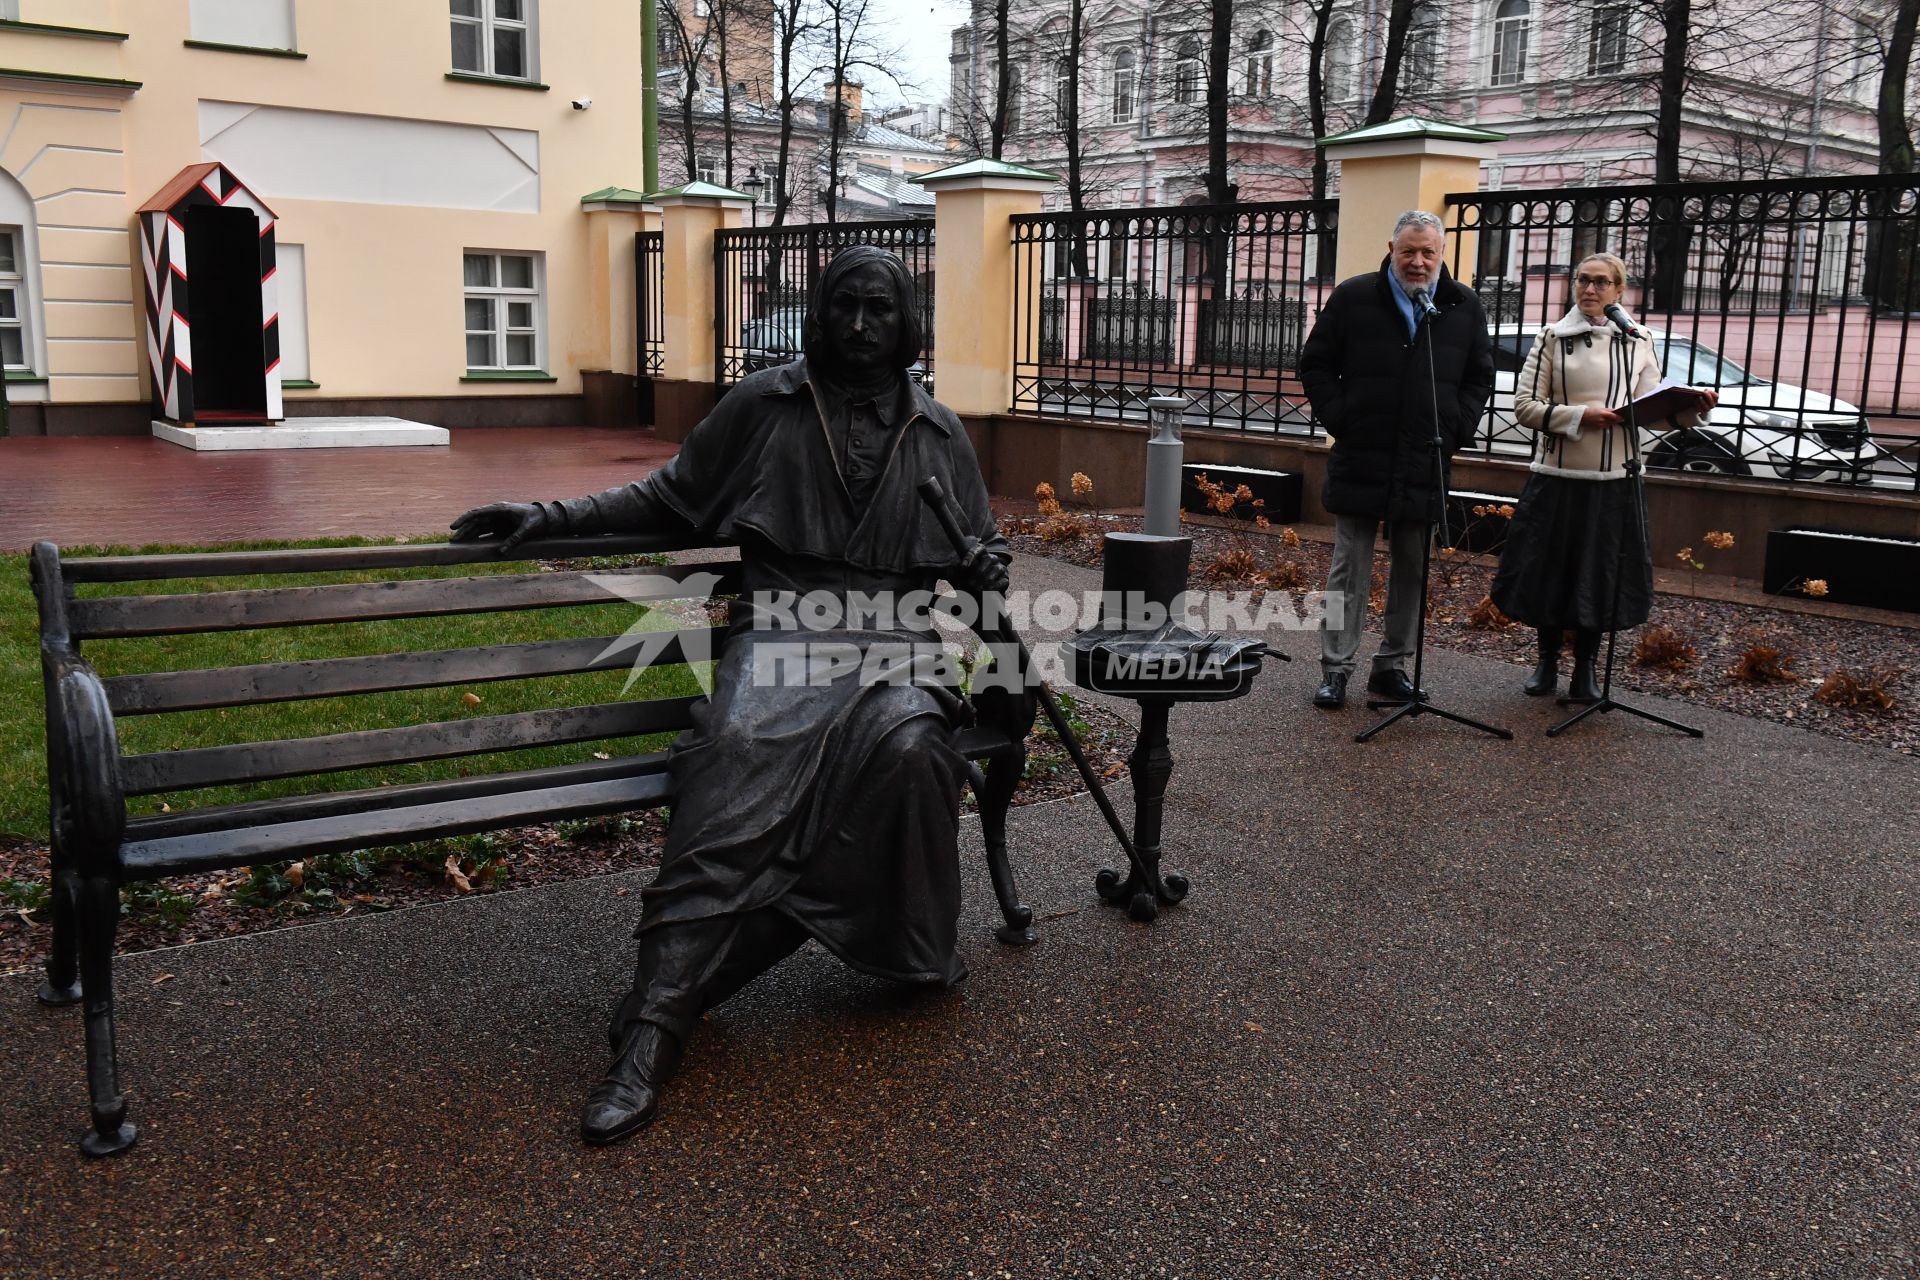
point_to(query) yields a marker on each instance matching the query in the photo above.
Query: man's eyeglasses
(1593, 282)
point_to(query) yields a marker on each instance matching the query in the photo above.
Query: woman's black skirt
(1568, 543)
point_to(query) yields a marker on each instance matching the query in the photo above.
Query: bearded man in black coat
(810, 809)
(1365, 370)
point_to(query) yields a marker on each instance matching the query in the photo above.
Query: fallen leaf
(165, 807)
(164, 977)
(471, 699)
(456, 876)
(1254, 1026)
(297, 874)
(601, 755)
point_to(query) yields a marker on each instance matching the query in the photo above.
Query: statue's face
(863, 322)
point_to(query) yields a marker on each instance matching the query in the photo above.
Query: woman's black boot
(1546, 672)
(1582, 687)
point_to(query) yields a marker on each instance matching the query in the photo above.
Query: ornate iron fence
(764, 277)
(1795, 299)
(650, 289)
(1113, 306)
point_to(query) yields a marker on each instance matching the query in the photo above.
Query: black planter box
(1873, 569)
(1482, 535)
(1280, 489)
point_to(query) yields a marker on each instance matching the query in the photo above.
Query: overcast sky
(923, 31)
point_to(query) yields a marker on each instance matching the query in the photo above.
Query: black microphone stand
(1418, 705)
(1622, 350)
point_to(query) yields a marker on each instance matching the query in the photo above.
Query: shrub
(1486, 616)
(1662, 647)
(1857, 689)
(1763, 664)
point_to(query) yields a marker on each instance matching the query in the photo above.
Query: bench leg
(97, 904)
(995, 797)
(62, 986)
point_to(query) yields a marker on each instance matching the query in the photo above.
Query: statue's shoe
(626, 1101)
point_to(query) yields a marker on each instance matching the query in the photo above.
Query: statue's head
(864, 320)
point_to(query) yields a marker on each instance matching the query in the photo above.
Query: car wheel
(1696, 453)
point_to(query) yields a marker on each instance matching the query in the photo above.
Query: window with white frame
(1509, 62)
(503, 308)
(1186, 71)
(706, 169)
(14, 305)
(1607, 38)
(494, 38)
(252, 24)
(1260, 65)
(1336, 61)
(1124, 84)
(1421, 59)
(1016, 86)
(1062, 92)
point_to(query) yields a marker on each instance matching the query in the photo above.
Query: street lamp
(753, 183)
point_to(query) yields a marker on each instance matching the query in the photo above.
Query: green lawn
(23, 796)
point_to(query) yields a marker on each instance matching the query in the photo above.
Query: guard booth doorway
(223, 263)
(213, 320)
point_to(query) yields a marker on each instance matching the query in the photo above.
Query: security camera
(581, 104)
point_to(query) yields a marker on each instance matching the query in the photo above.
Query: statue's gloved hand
(511, 522)
(982, 571)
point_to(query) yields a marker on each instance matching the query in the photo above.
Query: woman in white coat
(1576, 556)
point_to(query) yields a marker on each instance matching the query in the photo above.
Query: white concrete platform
(305, 433)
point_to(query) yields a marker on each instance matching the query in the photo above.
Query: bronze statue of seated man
(824, 810)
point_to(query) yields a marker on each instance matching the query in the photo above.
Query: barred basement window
(504, 309)
(494, 37)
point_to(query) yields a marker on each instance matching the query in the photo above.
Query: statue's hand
(511, 522)
(982, 571)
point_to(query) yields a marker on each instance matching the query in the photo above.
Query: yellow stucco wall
(384, 281)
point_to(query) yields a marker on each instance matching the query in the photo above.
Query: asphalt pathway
(1617, 1004)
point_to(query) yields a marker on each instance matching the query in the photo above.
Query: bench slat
(381, 673)
(211, 564)
(327, 804)
(144, 859)
(330, 753)
(107, 617)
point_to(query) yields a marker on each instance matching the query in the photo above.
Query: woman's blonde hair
(1615, 267)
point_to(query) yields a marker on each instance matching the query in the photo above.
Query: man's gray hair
(1418, 218)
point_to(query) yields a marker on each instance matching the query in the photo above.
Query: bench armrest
(83, 755)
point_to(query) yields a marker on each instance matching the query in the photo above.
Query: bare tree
(1002, 78)
(795, 23)
(684, 46)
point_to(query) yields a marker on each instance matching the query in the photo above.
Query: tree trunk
(1386, 94)
(1890, 239)
(1670, 233)
(717, 22)
(1317, 119)
(1076, 189)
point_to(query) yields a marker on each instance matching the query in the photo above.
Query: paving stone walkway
(131, 490)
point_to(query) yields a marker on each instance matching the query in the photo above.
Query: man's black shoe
(626, 1101)
(1333, 694)
(1394, 686)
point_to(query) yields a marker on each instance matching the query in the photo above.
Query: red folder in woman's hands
(1666, 401)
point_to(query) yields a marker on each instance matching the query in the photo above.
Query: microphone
(1424, 301)
(1619, 317)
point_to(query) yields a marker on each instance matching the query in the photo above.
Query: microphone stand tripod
(1418, 705)
(1622, 350)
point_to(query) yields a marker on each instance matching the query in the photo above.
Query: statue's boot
(625, 1101)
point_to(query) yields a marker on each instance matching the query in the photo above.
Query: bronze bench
(97, 846)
